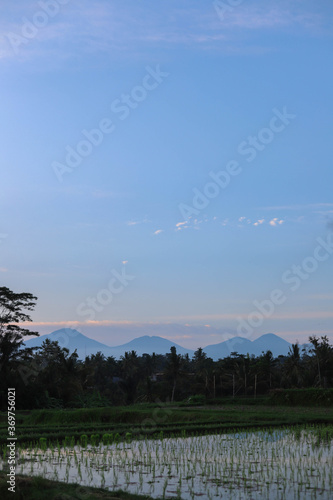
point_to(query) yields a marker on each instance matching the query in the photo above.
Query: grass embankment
(37, 488)
(152, 419)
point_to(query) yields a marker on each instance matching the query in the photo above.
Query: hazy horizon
(185, 336)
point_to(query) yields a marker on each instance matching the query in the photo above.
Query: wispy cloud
(299, 315)
(293, 315)
(194, 332)
(136, 222)
(259, 222)
(76, 324)
(268, 15)
(245, 221)
(112, 28)
(276, 222)
(240, 222)
(182, 225)
(302, 212)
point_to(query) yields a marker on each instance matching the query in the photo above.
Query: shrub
(302, 397)
(67, 441)
(94, 439)
(42, 443)
(198, 399)
(84, 440)
(106, 438)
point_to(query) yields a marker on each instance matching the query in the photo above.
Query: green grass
(37, 488)
(296, 397)
(150, 419)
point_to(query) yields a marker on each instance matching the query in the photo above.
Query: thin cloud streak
(278, 316)
(112, 29)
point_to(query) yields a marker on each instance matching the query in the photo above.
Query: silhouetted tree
(130, 375)
(265, 369)
(12, 311)
(173, 368)
(324, 359)
(58, 376)
(202, 366)
(293, 367)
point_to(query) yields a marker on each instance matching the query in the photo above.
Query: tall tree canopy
(13, 307)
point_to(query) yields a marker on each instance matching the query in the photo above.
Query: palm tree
(130, 374)
(266, 364)
(242, 370)
(202, 368)
(293, 369)
(149, 363)
(173, 368)
(324, 356)
(58, 375)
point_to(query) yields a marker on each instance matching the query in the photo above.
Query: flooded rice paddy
(275, 464)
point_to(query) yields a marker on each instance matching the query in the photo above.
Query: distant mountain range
(266, 342)
(72, 339)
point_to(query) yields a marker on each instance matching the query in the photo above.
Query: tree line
(52, 377)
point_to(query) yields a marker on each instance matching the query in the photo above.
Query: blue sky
(119, 121)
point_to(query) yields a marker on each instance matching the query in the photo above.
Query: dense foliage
(51, 377)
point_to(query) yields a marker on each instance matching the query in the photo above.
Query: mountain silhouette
(85, 346)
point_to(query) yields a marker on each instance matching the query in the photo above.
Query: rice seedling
(272, 463)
